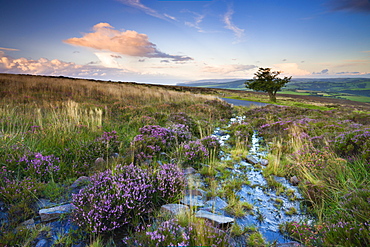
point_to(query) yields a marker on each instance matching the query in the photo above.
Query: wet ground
(271, 208)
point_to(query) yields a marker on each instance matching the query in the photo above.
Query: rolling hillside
(356, 89)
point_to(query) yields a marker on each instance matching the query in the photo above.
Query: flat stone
(174, 209)
(290, 244)
(294, 180)
(43, 243)
(53, 213)
(29, 224)
(189, 170)
(193, 200)
(196, 192)
(218, 219)
(252, 159)
(264, 162)
(217, 203)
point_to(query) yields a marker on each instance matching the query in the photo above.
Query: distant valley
(356, 89)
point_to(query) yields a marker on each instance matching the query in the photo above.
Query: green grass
(363, 99)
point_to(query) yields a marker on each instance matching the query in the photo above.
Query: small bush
(169, 183)
(114, 198)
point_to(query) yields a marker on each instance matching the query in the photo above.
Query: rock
(99, 161)
(80, 183)
(49, 214)
(43, 243)
(289, 244)
(174, 209)
(252, 159)
(218, 219)
(196, 192)
(29, 224)
(189, 170)
(193, 201)
(294, 180)
(217, 203)
(264, 162)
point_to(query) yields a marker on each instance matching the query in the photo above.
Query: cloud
(349, 5)
(197, 21)
(115, 56)
(8, 49)
(129, 43)
(322, 72)
(44, 66)
(238, 32)
(230, 68)
(138, 5)
(347, 73)
(290, 69)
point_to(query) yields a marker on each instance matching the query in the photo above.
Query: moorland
(118, 151)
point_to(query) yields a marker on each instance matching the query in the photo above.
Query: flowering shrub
(169, 233)
(194, 153)
(114, 198)
(342, 233)
(34, 164)
(155, 139)
(354, 142)
(172, 233)
(211, 143)
(169, 183)
(184, 119)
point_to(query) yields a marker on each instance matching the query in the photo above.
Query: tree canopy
(267, 81)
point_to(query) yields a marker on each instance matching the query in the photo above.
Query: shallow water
(270, 207)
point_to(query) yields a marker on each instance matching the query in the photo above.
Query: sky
(174, 41)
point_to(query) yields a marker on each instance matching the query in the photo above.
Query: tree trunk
(272, 96)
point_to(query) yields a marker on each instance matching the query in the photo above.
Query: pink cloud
(44, 66)
(129, 43)
(8, 49)
(290, 69)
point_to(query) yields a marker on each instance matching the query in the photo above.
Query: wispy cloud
(349, 5)
(129, 43)
(138, 5)
(8, 49)
(229, 68)
(227, 18)
(198, 18)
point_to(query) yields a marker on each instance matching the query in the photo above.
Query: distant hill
(357, 89)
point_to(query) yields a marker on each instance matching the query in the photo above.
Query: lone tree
(267, 81)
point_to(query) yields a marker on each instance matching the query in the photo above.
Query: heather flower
(169, 183)
(114, 198)
(35, 164)
(194, 152)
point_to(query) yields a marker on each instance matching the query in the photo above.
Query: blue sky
(162, 41)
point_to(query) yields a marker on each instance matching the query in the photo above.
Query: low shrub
(125, 195)
(114, 198)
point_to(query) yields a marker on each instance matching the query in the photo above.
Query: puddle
(270, 207)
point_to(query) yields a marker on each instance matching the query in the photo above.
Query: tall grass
(73, 122)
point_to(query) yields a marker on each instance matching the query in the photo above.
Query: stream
(270, 207)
